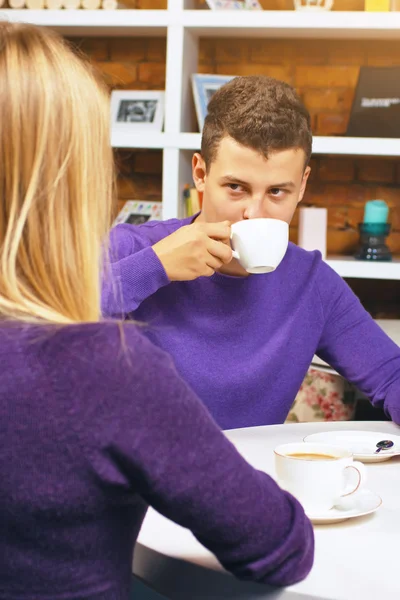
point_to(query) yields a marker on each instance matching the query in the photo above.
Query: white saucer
(361, 443)
(360, 504)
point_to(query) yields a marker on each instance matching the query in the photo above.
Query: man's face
(242, 184)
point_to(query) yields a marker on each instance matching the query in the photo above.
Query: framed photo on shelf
(204, 87)
(234, 4)
(137, 111)
(137, 212)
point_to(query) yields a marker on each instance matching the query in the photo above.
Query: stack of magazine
(137, 212)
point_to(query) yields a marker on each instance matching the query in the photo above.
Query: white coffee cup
(259, 244)
(318, 484)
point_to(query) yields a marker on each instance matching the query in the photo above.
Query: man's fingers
(218, 231)
(209, 272)
(220, 250)
(214, 262)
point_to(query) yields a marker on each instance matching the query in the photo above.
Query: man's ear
(198, 171)
(304, 183)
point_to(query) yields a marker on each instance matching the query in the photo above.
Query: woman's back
(95, 425)
(68, 517)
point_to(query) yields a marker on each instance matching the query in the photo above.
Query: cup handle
(362, 477)
(235, 254)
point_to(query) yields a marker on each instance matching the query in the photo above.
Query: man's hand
(195, 250)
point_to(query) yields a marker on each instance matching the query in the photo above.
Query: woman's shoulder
(107, 345)
(99, 351)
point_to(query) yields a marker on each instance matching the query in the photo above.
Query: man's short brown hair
(259, 112)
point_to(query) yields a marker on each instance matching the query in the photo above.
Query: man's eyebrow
(233, 179)
(286, 184)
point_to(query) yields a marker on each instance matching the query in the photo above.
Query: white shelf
(183, 141)
(294, 24)
(353, 146)
(125, 139)
(321, 145)
(347, 266)
(349, 146)
(95, 22)
(208, 23)
(189, 141)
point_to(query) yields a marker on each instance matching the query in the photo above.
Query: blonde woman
(95, 424)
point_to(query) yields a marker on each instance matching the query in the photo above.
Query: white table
(358, 559)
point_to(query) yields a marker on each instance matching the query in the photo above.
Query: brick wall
(323, 71)
(128, 63)
(137, 64)
(139, 175)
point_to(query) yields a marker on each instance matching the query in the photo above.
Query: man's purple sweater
(95, 425)
(244, 344)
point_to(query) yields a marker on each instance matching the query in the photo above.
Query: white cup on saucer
(318, 475)
(259, 244)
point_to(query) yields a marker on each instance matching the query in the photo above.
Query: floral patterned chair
(323, 397)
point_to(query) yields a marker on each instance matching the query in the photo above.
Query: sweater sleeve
(354, 345)
(132, 273)
(156, 439)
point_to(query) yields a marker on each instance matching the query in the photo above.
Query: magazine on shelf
(137, 212)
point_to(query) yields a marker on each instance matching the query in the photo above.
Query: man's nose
(255, 209)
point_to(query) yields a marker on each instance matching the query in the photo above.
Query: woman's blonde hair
(56, 179)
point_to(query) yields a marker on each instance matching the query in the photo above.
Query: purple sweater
(94, 426)
(244, 344)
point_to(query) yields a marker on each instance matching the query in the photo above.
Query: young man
(244, 342)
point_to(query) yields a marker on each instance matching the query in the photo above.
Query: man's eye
(275, 191)
(234, 187)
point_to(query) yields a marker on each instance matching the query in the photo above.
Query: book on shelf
(376, 106)
(137, 212)
(192, 200)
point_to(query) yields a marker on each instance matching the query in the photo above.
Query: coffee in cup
(308, 456)
(318, 475)
(259, 244)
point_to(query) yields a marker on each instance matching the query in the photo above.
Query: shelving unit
(293, 24)
(359, 269)
(95, 22)
(183, 27)
(207, 23)
(349, 146)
